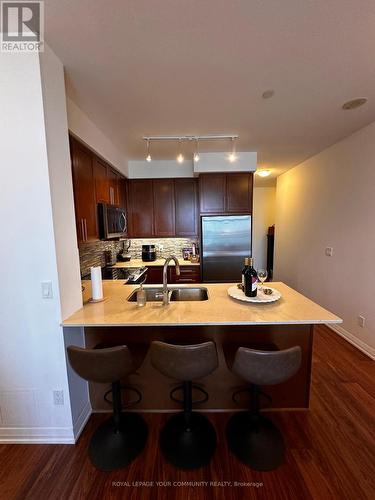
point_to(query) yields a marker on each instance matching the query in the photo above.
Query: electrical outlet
(58, 398)
(329, 251)
(361, 321)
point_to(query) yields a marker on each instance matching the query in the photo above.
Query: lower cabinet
(188, 274)
(154, 275)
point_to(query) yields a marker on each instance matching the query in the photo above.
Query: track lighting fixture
(196, 154)
(148, 157)
(233, 156)
(188, 138)
(180, 157)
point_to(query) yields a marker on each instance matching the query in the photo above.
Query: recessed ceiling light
(263, 173)
(354, 103)
(268, 93)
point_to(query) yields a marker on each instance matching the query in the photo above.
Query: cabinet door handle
(82, 230)
(85, 230)
(123, 229)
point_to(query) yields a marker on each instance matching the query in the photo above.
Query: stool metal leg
(118, 440)
(253, 438)
(188, 439)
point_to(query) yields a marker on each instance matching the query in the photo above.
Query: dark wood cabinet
(101, 181)
(141, 208)
(84, 193)
(212, 193)
(186, 207)
(122, 192)
(113, 182)
(239, 193)
(154, 275)
(164, 207)
(188, 274)
(94, 181)
(226, 193)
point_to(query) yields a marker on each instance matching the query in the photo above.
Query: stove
(131, 276)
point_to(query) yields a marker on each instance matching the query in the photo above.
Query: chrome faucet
(166, 292)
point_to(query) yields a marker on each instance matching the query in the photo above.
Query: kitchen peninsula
(229, 323)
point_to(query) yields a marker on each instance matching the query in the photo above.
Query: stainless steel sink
(187, 294)
(152, 295)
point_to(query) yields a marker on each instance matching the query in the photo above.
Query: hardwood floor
(330, 449)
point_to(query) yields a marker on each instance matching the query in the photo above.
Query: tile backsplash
(164, 246)
(94, 253)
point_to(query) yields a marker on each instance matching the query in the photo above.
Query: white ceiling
(158, 67)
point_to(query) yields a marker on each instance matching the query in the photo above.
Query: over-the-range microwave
(112, 221)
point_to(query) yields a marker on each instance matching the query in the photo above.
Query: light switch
(329, 251)
(47, 290)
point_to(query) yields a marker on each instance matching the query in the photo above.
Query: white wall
(142, 169)
(60, 175)
(263, 216)
(88, 132)
(32, 359)
(219, 162)
(329, 201)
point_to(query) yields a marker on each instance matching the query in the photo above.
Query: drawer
(188, 274)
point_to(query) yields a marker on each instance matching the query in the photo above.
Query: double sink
(188, 294)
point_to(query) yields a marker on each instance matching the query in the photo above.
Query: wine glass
(262, 276)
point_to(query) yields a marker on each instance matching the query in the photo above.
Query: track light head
(148, 157)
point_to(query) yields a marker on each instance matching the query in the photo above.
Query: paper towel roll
(96, 283)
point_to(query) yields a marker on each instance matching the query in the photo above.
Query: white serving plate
(261, 298)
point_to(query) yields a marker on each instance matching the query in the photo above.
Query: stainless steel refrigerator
(226, 241)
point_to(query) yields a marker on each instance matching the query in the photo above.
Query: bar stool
(118, 440)
(253, 438)
(188, 439)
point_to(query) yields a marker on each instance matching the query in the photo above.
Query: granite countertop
(220, 309)
(157, 262)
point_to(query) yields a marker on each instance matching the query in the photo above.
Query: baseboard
(352, 339)
(36, 435)
(81, 421)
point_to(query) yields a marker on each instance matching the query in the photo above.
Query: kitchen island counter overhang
(292, 309)
(229, 323)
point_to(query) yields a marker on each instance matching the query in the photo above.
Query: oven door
(112, 221)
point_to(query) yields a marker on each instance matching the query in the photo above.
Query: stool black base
(255, 440)
(110, 449)
(188, 447)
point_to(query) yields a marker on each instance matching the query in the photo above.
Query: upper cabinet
(212, 193)
(239, 193)
(101, 181)
(186, 207)
(113, 184)
(164, 207)
(141, 207)
(84, 193)
(94, 181)
(226, 193)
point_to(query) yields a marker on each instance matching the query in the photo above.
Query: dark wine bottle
(251, 280)
(247, 263)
